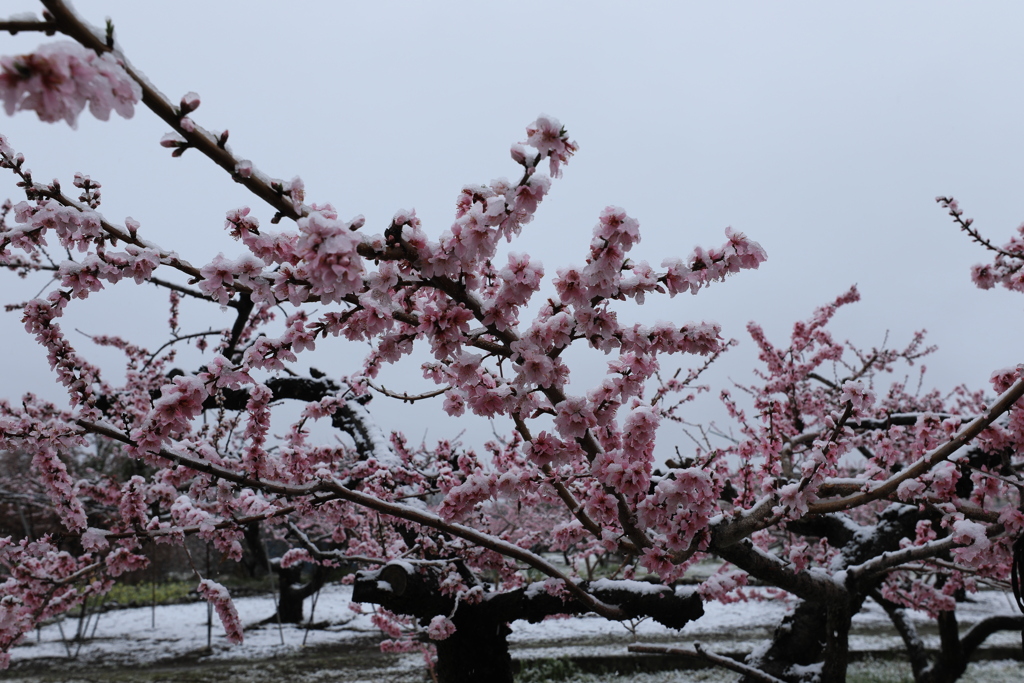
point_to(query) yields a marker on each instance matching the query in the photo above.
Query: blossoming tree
(789, 504)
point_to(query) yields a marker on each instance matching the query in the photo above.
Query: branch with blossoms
(324, 491)
(928, 461)
(1008, 267)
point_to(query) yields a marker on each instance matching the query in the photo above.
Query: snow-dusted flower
(440, 628)
(59, 79)
(219, 597)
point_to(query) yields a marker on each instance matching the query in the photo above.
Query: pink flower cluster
(220, 598)
(59, 79)
(39, 584)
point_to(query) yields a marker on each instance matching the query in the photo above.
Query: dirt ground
(348, 662)
(362, 662)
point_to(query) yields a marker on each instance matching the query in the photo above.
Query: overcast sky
(822, 130)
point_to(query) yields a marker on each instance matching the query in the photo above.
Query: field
(170, 644)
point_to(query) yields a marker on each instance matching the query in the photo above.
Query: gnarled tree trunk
(478, 650)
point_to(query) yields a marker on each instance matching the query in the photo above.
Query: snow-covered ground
(134, 637)
(138, 638)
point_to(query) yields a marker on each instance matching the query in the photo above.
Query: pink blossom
(549, 138)
(574, 416)
(858, 396)
(546, 449)
(440, 628)
(330, 261)
(180, 401)
(94, 539)
(123, 560)
(295, 556)
(974, 538)
(59, 79)
(219, 597)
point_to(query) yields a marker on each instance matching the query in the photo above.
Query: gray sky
(822, 130)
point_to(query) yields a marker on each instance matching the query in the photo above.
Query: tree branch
(887, 560)
(943, 452)
(13, 27)
(336, 490)
(700, 652)
(978, 633)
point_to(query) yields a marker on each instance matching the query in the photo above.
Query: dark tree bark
(818, 630)
(478, 650)
(950, 662)
(255, 561)
(293, 593)
(798, 640)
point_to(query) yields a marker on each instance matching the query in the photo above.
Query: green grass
(879, 671)
(540, 670)
(143, 593)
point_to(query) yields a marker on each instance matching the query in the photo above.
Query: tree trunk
(799, 640)
(293, 593)
(837, 642)
(477, 651)
(255, 561)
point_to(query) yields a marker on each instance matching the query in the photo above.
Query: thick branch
(411, 589)
(13, 27)
(978, 633)
(768, 568)
(919, 660)
(888, 560)
(943, 452)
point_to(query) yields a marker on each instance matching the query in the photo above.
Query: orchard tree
(909, 549)
(837, 489)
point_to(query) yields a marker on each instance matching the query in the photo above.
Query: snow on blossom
(255, 457)
(570, 287)
(724, 585)
(94, 539)
(944, 477)
(123, 560)
(440, 628)
(703, 267)
(520, 279)
(185, 513)
(330, 261)
(223, 374)
(142, 261)
(546, 449)
(974, 538)
(180, 401)
(573, 417)
(461, 499)
(75, 228)
(62, 490)
(38, 585)
(220, 598)
(132, 504)
(858, 395)
(657, 561)
(548, 137)
(59, 79)
(1004, 378)
(295, 556)
(190, 101)
(218, 276)
(909, 489)
(622, 472)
